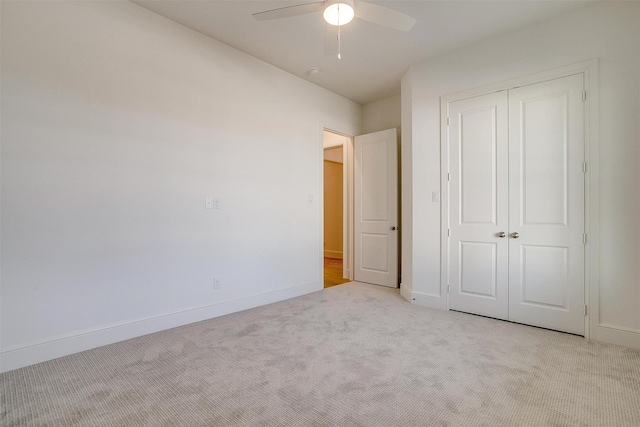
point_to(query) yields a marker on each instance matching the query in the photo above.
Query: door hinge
(584, 167)
(586, 310)
(448, 176)
(448, 121)
(584, 96)
(448, 288)
(448, 232)
(584, 238)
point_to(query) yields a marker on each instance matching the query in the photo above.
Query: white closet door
(478, 191)
(546, 204)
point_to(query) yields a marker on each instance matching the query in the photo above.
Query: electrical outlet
(216, 283)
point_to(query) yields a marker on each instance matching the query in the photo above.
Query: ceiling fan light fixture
(338, 12)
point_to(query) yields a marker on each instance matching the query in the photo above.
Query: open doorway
(336, 205)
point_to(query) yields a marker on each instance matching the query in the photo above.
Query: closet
(516, 214)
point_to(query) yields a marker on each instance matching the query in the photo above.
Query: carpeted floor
(351, 355)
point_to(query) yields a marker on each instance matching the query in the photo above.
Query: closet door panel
(546, 204)
(478, 190)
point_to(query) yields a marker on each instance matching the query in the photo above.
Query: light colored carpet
(351, 355)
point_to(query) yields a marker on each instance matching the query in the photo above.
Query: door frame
(347, 202)
(592, 193)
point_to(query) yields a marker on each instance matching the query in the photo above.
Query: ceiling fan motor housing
(338, 12)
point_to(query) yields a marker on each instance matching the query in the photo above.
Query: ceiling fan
(341, 12)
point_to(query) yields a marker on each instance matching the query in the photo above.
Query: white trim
(620, 328)
(592, 194)
(347, 198)
(426, 300)
(406, 291)
(580, 67)
(444, 202)
(347, 203)
(612, 334)
(592, 205)
(63, 345)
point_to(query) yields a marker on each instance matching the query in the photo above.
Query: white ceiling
(374, 58)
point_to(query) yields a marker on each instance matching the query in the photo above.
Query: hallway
(333, 272)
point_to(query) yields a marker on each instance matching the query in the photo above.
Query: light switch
(435, 196)
(208, 203)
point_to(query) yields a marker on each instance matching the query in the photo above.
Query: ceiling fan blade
(330, 40)
(384, 16)
(285, 12)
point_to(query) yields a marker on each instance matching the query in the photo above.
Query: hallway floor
(333, 272)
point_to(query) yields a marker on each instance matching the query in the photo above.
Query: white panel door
(478, 191)
(516, 170)
(376, 208)
(546, 204)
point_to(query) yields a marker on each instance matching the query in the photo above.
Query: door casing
(347, 202)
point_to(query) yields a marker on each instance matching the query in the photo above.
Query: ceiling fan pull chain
(339, 42)
(338, 15)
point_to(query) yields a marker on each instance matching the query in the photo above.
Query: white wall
(381, 115)
(609, 31)
(116, 124)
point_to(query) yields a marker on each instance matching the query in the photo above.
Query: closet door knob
(502, 234)
(515, 235)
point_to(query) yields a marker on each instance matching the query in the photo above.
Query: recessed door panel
(375, 248)
(477, 157)
(375, 177)
(545, 276)
(478, 269)
(544, 152)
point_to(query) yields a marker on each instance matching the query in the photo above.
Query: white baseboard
(406, 291)
(332, 254)
(611, 334)
(18, 357)
(426, 300)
